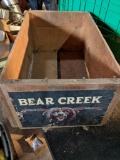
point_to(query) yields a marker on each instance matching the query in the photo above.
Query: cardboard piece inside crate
(61, 46)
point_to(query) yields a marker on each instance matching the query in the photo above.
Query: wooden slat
(44, 65)
(24, 70)
(72, 66)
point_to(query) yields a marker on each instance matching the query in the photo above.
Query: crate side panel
(15, 59)
(99, 59)
(38, 105)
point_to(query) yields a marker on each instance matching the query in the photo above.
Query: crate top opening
(60, 45)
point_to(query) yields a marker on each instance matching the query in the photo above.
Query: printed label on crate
(61, 108)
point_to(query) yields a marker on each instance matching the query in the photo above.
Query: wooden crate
(69, 73)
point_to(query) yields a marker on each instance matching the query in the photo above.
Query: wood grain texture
(45, 65)
(99, 59)
(12, 116)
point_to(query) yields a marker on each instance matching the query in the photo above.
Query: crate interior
(60, 45)
(65, 63)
